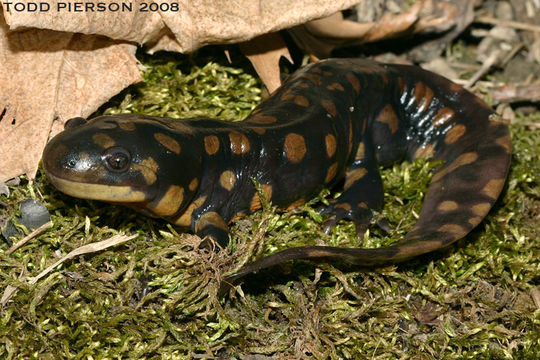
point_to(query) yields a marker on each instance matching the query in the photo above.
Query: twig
(89, 248)
(515, 93)
(512, 24)
(512, 53)
(33, 234)
(483, 69)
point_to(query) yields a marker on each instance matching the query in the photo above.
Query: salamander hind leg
(362, 193)
(212, 226)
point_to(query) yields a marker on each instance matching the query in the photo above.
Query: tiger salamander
(332, 122)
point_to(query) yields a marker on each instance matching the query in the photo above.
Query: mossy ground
(155, 296)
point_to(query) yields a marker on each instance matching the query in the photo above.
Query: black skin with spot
(474, 168)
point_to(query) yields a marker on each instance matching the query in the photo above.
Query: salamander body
(332, 122)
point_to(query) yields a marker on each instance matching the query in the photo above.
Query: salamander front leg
(211, 225)
(363, 192)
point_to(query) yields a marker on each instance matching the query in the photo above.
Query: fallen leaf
(320, 37)
(177, 25)
(264, 52)
(47, 76)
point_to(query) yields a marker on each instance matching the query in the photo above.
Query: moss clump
(154, 297)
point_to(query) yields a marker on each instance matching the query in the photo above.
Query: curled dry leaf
(264, 52)
(183, 25)
(47, 75)
(320, 37)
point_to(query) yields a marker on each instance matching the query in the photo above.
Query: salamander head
(126, 159)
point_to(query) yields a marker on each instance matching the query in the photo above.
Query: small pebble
(33, 215)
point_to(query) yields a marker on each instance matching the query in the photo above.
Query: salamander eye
(116, 159)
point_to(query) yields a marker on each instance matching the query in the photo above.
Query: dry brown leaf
(47, 75)
(458, 14)
(193, 24)
(320, 37)
(125, 25)
(264, 53)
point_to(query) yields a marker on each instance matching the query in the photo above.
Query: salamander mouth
(109, 193)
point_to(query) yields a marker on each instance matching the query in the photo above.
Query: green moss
(154, 297)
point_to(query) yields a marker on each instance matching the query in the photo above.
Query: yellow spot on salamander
(168, 142)
(314, 78)
(295, 147)
(148, 169)
(211, 144)
(345, 206)
(354, 82)
(452, 228)
(330, 107)
(193, 184)
(424, 151)
(239, 143)
(401, 85)
(331, 174)
(263, 119)
(227, 179)
(171, 201)
(455, 133)
(481, 209)
(126, 125)
(423, 96)
(493, 188)
(351, 135)
(448, 205)
(455, 87)
(238, 216)
(505, 142)
(185, 218)
(475, 220)
(335, 86)
(287, 95)
(211, 218)
(258, 130)
(388, 116)
(301, 101)
(180, 126)
(295, 204)
(443, 116)
(103, 140)
(353, 176)
(360, 152)
(330, 141)
(463, 159)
